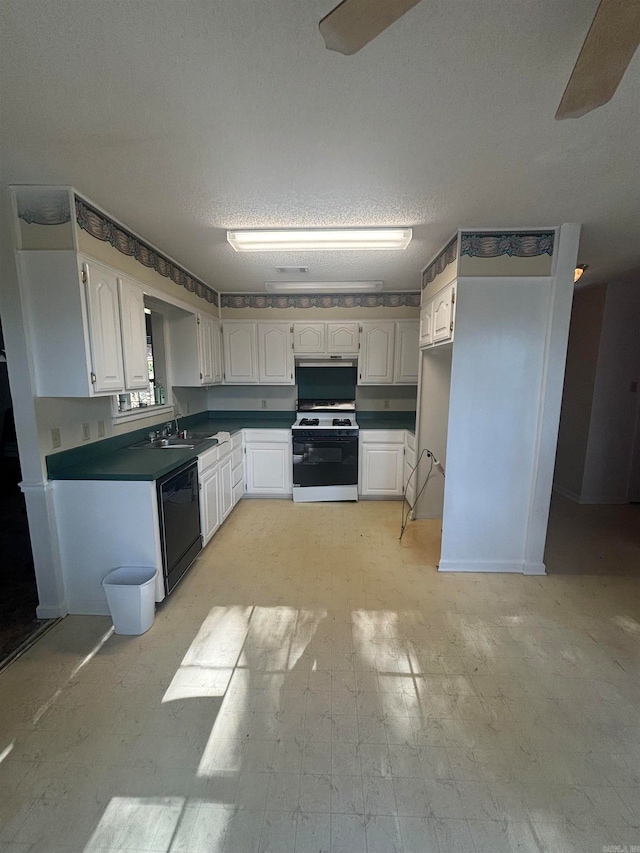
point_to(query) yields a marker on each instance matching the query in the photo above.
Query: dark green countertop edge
(387, 420)
(114, 459)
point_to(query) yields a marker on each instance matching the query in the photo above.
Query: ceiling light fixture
(579, 270)
(327, 286)
(327, 239)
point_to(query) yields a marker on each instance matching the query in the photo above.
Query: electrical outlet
(86, 431)
(264, 404)
(386, 404)
(55, 438)
(100, 429)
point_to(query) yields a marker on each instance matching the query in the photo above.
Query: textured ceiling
(184, 119)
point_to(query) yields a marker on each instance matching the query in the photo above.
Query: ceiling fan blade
(608, 49)
(354, 23)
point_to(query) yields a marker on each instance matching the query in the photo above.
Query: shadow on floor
(593, 539)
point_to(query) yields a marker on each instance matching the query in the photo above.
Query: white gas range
(325, 451)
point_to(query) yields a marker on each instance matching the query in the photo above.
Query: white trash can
(131, 596)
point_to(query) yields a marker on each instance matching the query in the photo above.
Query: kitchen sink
(172, 442)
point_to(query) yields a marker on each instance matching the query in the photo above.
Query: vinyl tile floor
(315, 685)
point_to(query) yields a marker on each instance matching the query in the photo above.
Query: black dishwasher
(179, 511)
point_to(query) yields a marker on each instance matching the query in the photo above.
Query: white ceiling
(187, 117)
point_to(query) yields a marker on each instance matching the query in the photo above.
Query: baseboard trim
(566, 493)
(602, 499)
(500, 566)
(534, 569)
(606, 500)
(88, 607)
(52, 611)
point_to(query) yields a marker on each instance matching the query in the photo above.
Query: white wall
(250, 397)
(371, 398)
(614, 412)
(496, 382)
(577, 398)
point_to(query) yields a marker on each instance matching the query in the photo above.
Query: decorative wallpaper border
(99, 225)
(320, 300)
(516, 244)
(447, 256)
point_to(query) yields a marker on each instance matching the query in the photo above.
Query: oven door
(325, 460)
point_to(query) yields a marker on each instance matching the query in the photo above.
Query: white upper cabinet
(405, 369)
(240, 341)
(103, 309)
(437, 317)
(218, 364)
(275, 354)
(426, 321)
(443, 308)
(376, 353)
(196, 357)
(72, 311)
(326, 338)
(134, 336)
(343, 338)
(206, 349)
(309, 338)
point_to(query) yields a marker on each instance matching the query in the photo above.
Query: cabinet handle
(84, 274)
(451, 326)
(93, 377)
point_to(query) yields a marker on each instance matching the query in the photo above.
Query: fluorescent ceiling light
(328, 239)
(316, 286)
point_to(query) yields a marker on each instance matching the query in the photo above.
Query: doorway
(18, 622)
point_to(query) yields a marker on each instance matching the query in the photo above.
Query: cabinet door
(134, 336)
(205, 349)
(210, 504)
(376, 353)
(268, 469)
(103, 308)
(275, 354)
(309, 337)
(240, 353)
(343, 337)
(443, 315)
(405, 369)
(218, 366)
(426, 323)
(226, 488)
(382, 470)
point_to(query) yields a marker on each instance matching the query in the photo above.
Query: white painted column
(40, 512)
(566, 257)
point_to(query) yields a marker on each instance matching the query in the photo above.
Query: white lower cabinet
(268, 462)
(226, 487)
(209, 504)
(215, 475)
(382, 463)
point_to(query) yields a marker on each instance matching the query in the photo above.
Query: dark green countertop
(387, 420)
(115, 459)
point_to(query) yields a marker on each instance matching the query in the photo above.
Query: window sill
(143, 412)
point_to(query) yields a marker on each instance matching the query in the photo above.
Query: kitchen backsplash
(400, 398)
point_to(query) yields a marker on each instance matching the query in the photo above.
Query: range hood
(326, 361)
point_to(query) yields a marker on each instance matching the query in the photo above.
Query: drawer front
(236, 440)
(237, 474)
(277, 436)
(207, 459)
(236, 457)
(382, 436)
(224, 449)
